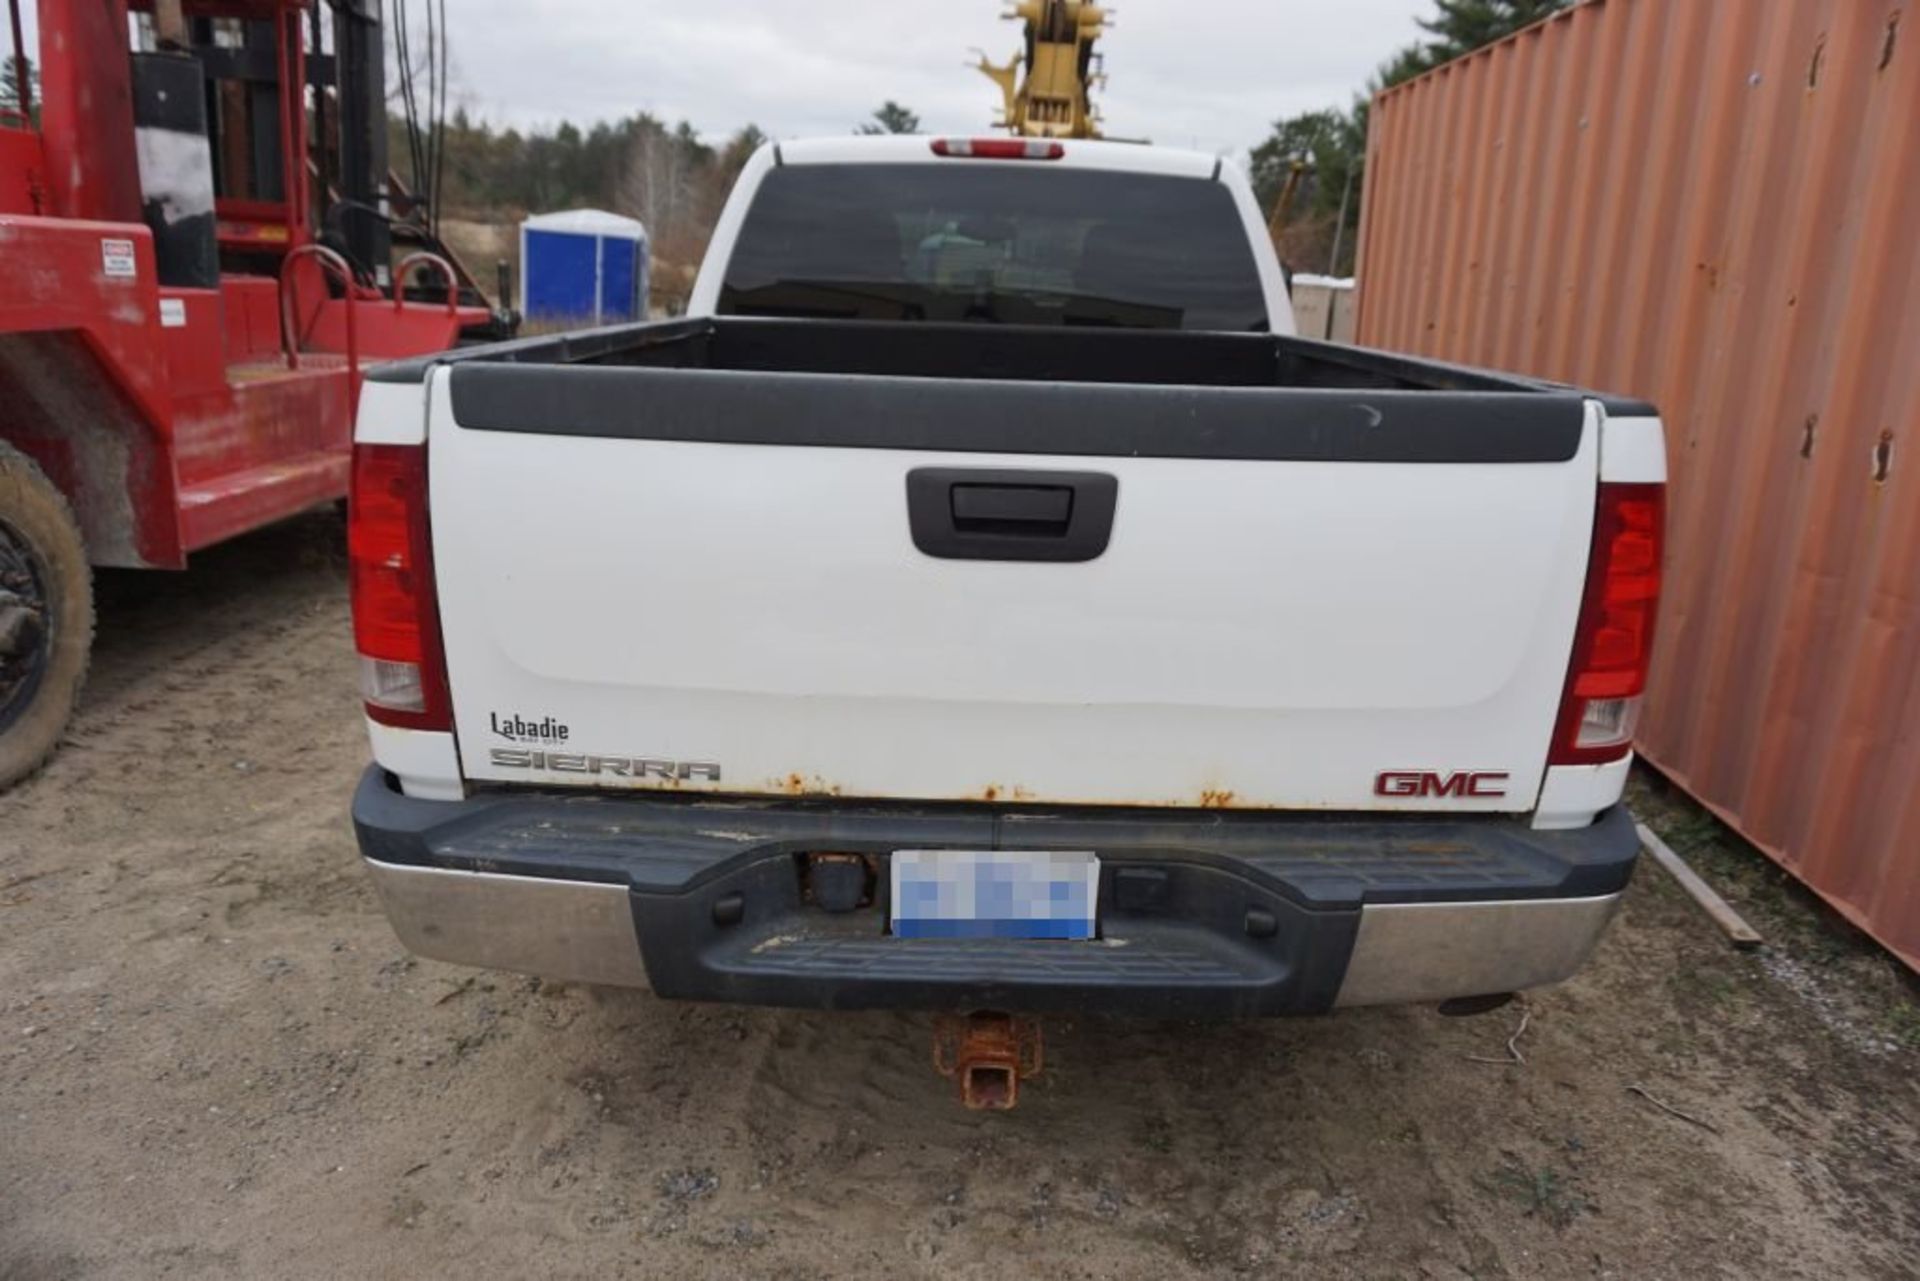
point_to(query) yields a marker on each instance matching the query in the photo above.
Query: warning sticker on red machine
(116, 258)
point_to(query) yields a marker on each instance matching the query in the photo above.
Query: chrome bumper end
(578, 931)
(1416, 952)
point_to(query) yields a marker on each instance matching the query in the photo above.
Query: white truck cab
(1022, 156)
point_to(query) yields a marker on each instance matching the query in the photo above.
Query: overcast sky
(1212, 74)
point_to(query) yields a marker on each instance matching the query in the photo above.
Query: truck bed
(1005, 390)
(997, 352)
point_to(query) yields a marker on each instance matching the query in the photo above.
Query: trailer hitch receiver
(987, 1054)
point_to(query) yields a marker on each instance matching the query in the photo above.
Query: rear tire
(46, 615)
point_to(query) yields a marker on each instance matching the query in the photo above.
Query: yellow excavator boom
(1054, 96)
(1283, 203)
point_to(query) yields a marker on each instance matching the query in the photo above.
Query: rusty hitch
(986, 1054)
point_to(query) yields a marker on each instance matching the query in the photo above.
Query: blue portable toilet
(583, 266)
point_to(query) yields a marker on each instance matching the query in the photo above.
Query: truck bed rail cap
(1087, 419)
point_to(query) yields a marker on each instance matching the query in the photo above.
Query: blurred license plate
(999, 894)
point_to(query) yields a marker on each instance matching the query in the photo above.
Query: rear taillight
(396, 621)
(1614, 643)
(999, 148)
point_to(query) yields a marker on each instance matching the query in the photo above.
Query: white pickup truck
(982, 601)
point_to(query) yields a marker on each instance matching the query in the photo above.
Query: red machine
(195, 245)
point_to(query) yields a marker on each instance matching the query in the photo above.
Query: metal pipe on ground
(1738, 932)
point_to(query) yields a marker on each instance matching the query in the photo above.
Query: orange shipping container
(1714, 204)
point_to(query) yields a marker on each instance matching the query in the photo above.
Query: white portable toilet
(583, 266)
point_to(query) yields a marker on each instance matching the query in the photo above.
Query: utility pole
(1340, 224)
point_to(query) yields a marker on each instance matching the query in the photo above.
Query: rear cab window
(995, 244)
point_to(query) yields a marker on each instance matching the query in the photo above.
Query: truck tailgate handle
(991, 513)
(1013, 509)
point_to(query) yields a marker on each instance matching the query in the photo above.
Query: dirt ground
(215, 1061)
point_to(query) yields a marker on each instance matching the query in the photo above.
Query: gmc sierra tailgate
(942, 588)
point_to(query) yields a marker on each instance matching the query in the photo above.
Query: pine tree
(891, 117)
(1465, 25)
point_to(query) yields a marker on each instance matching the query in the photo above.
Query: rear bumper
(1203, 914)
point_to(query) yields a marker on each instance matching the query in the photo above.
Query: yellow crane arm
(1053, 99)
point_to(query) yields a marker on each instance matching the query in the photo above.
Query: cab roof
(1077, 153)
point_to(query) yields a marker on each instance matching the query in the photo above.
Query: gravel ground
(215, 1061)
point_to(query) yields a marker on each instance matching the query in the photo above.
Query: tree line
(665, 175)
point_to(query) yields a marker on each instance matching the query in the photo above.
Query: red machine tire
(46, 615)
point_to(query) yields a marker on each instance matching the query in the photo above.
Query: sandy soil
(215, 1061)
